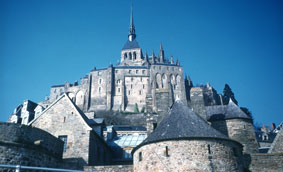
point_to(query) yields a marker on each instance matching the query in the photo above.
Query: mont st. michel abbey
(140, 115)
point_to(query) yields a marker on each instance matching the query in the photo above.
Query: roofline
(249, 119)
(184, 138)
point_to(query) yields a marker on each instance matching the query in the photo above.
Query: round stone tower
(183, 141)
(236, 124)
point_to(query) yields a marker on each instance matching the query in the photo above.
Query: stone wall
(242, 131)
(25, 145)
(110, 168)
(197, 101)
(264, 162)
(189, 155)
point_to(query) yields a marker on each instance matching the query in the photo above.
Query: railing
(19, 167)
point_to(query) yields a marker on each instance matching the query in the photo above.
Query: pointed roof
(132, 30)
(131, 45)
(182, 123)
(221, 112)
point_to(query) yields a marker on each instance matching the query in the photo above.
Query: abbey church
(140, 115)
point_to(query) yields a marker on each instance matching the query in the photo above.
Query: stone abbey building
(175, 126)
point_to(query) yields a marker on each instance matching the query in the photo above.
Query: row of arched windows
(162, 80)
(130, 55)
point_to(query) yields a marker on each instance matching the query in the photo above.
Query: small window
(135, 56)
(132, 79)
(140, 92)
(137, 71)
(99, 73)
(209, 150)
(166, 153)
(140, 156)
(118, 81)
(125, 55)
(143, 71)
(55, 91)
(141, 79)
(64, 120)
(154, 125)
(130, 71)
(100, 80)
(116, 71)
(99, 89)
(235, 152)
(159, 67)
(119, 90)
(143, 86)
(129, 92)
(131, 86)
(64, 139)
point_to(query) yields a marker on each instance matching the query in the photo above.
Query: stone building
(82, 145)
(138, 79)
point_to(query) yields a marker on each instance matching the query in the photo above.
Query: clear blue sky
(49, 42)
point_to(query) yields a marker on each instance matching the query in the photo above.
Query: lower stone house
(82, 145)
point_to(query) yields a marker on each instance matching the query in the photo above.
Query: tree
(228, 94)
(248, 112)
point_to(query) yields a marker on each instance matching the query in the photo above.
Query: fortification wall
(189, 155)
(110, 168)
(25, 145)
(264, 162)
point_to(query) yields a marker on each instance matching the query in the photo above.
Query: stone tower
(233, 122)
(183, 141)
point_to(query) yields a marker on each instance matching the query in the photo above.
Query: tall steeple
(161, 54)
(132, 31)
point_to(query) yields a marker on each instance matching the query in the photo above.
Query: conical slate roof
(182, 123)
(221, 112)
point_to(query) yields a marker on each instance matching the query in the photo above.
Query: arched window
(125, 55)
(140, 156)
(135, 56)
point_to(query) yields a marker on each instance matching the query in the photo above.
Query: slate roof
(182, 123)
(230, 111)
(131, 45)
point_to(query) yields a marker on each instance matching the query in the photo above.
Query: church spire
(132, 31)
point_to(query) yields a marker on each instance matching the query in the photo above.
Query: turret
(161, 54)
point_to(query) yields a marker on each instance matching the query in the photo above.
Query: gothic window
(135, 56)
(100, 80)
(99, 89)
(125, 55)
(64, 139)
(130, 55)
